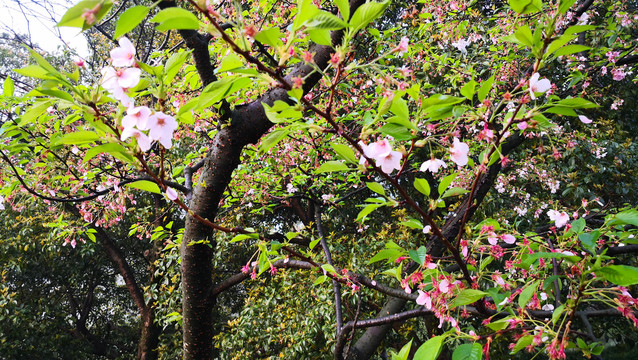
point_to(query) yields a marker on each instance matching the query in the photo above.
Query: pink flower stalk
(432, 165)
(124, 55)
(538, 86)
(137, 117)
(171, 194)
(142, 140)
(90, 15)
(161, 128)
(458, 152)
(560, 218)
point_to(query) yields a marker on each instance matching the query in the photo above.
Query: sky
(40, 24)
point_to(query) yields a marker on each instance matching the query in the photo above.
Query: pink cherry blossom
(385, 158)
(123, 55)
(432, 165)
(560, 218)
(584, 119)
(142, 140)
(444, 286)
(538, 86)
(123, 78)
(161, 128)
(403, 45)
(171, 194)
(424, 299)
(458, 152)
(137, 117)
(390, 162)
(509, 239)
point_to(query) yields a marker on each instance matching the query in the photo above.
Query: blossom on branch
(538, 86)
(458, 152)
(161, 128)
(123, 55)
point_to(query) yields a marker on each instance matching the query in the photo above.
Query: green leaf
(272, 139)
(485, 88)
(522, 343)
(571, 49)
(173, 65)
(145, 185)
(376, 187)
(73, 16)
(454, 192)
(469, 89)
(526, 6)
(412, 224)
(8, 87)
(527, 293)
(564, 5)
(431, 349)
(325, 21)
(386, 254)
(446, 181)
(400, 108)
(472, 351)
(363, 214)
(576, 103)
(270, 37)
(329, 268)
(175, 18)
(34, 112)
(418, 255)
(561, 111)
(403, 354)
(78, 138)
(531, 259)
(627, 217)
(218, 90)
(578, 225)
(367, 13)
(344, 9)
(398, 132)
(524, 35)
(130, 19)
(305, 10)
(344, 152)
(422, 186)
(467, 296)
(578, 29)
(230, 62)
(622, 275)
(34, 71)
(557, 313)
(241, 237)
(588, 240)
(558, 43)
(320, 280)
(331, 166)
(56, 94)
(113, 149)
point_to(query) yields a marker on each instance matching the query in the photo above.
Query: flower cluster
(117, 82)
